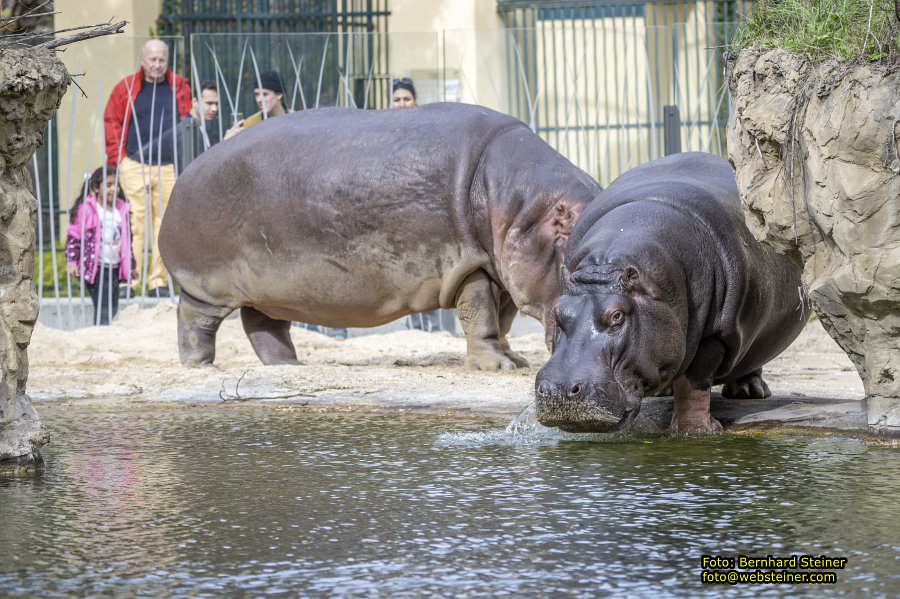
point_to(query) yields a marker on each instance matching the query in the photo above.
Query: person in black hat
(269, 94)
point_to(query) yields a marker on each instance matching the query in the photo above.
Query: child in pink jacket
(98, 242)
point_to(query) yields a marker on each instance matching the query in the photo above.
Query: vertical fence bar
(40, 227)
(672, 129)
(572, 129)
(635, 82)
(698, 63)
(606, 129)
(598, 174)
(541, 30)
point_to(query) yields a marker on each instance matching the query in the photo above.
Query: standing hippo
(664, 285)
(343, 217)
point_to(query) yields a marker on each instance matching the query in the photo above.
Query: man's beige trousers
(147, 188)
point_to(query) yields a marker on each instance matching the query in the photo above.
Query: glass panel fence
(592, 84)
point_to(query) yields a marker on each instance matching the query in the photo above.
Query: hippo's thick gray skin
(665, 285)
(344, 217)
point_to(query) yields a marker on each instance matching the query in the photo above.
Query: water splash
(525, 423)
(524, 430)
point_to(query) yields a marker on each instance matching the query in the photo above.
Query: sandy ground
(136, 359)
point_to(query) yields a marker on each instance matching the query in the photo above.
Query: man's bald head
(154, 60)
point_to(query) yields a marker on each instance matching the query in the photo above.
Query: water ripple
(206, 500)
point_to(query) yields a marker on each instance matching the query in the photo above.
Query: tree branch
(5, 21)
(94, 31)
(75, 83)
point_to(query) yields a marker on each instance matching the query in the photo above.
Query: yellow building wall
(464, 60)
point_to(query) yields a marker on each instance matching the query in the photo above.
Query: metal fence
(594, 76)
(318, 70)
(591, 78)
(189, 17)
(349, 38)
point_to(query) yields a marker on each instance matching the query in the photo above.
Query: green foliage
(45, 258)
(165, 25)
(825, 29)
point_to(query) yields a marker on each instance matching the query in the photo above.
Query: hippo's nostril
(575, 389)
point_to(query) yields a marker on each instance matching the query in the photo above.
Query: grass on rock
(825, 29)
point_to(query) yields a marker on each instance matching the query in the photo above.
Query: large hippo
(664, 286)
(343, 217)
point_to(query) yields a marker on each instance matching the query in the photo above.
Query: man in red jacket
(141, 109)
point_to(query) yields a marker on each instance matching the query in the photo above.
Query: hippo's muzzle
(581, 406)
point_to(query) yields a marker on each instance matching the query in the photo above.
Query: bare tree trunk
(32, 83)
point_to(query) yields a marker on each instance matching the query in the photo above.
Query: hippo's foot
(490, 356)
(695, 425)
(751, 386)
(517, 358)
(691, 414)
(197, 326)
(270, 338)
(196, 361)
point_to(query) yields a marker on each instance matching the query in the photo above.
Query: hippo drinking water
(665, 285)
(343, 217)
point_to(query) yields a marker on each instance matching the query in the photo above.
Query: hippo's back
(694, 181)
(325, 204)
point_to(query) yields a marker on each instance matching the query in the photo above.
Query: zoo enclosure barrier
(592, 83)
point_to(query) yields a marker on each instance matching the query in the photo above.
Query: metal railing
(189, 17)
(598, 100)
(594, 75)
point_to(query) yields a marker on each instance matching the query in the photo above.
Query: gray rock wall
(32, 83)
(815, 151)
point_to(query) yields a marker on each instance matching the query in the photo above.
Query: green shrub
(825, 29)
(45, 258)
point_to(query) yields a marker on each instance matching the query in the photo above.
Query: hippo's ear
(563, 216)
(633, 280)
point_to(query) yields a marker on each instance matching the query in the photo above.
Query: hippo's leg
(508, 313)
(691, 413)
(197, 326)
(751, 386)
(477, 309)
(270, 338)
(691, 391)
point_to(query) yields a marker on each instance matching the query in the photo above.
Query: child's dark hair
(97, 178)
